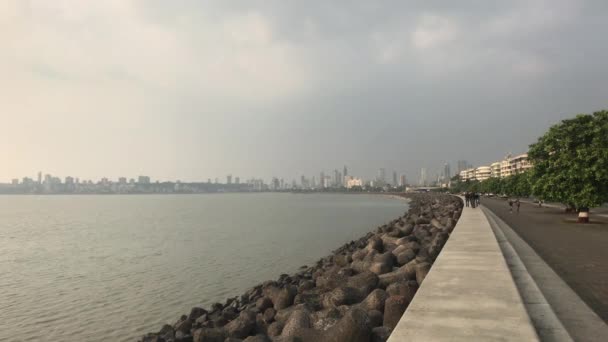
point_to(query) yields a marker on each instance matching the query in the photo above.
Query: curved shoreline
(358, 293)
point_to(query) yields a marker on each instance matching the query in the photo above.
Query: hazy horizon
(192, 91)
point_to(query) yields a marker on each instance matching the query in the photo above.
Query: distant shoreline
(396, 195)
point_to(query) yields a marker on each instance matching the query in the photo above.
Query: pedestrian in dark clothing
(467, 198)
(517, 203)
(473, 200)
(510, 205)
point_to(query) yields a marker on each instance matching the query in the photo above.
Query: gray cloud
(193, 90)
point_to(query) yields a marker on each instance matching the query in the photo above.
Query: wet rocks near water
(358, 293)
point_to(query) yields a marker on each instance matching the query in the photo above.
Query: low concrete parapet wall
(469, 294)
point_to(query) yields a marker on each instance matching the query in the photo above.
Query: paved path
(469, 294)
(578, 253)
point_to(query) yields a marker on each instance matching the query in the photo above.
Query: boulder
(268, 315)
(330, 280)
(305, 285)
(407, 230)
(183, 337)
(380, 334)
(343, 260)
(275, 329)
(209, 335)
(380, 268)
(258, 338)
(374, 243)
(241, 326)
(298, 320)
(422, 270)
(374, 301)
(353, 327)
(359, 254)
(360, 266)
(364, 282)
(435, 223)
(283, 315)
(406, 272)
(402, 247)
(422, 220)
(195, 313)
(326, 318)
(284, 298)
(343, 295)
(394, 307)
(375, 318)
(184, 326)
(406, 289)
(166, 333)
(405, 257)
(310, 298)
(263, 303)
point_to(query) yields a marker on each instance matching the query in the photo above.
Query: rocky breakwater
(357, 294)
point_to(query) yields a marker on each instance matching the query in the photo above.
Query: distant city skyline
(380, 174)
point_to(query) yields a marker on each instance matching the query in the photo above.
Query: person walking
(473, 200)
(510, 205)
(517, 203)
(467, 198)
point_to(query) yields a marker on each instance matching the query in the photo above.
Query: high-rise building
(345, 173)
(229, 179)
(322, 179)
(143, 180)
(39, 177)
(446, 172)
(394, 178)
(313, 183)
(423, 177)
(276, 185)
(237, 180)
(336, 177)
(382, 175)
(402, 180)
(462, 165)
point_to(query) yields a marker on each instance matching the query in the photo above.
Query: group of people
(516, 203)
(471, 199)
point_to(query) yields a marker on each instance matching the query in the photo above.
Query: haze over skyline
(190, 90)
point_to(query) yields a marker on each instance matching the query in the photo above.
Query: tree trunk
(583, 215)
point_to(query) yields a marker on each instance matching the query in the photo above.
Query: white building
(483, 172)
(520, 164)
(467, 175)
(352, 181)
(495, 170)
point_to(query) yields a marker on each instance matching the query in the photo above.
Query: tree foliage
(571, 161)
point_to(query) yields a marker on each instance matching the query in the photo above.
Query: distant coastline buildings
(500, 169)
(338, 180)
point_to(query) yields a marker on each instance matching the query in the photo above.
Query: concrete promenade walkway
(469, 294)
(577, 253)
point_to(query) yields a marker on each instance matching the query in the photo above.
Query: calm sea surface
(93, 268)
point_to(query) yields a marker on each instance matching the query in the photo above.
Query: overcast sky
(193, 90)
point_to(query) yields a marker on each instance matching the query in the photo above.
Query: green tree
(491, 185)
(571, 162)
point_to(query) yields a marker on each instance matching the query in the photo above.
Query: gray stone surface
(540, 284)
(469, 294)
